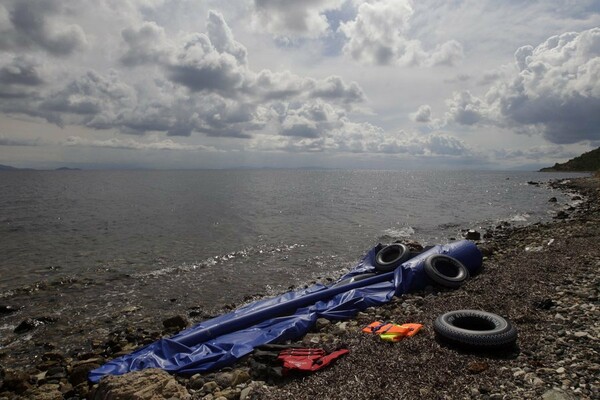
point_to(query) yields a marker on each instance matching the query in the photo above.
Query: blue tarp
(221, 341)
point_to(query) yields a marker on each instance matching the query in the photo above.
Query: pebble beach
(542, 277)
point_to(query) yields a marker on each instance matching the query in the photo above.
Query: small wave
(219, 259)
(402, 232)
(520, 218)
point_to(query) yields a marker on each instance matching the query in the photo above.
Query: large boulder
(149, 384)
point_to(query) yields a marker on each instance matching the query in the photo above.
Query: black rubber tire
(354, 279)
(475, 329)
(446, 271)
(391, 256)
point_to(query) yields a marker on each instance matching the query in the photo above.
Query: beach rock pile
(543, 277)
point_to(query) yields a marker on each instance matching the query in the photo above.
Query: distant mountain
(589, 161)
(67, 169)
(7, 168)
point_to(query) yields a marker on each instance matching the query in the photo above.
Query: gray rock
(321, 324)
(224, 379)
(196, 382)
(240, 376)
(149, 384)
(519, 373)
(246, 392)
(537, 382)
(556, 394)
(229, 394)
(209, 387)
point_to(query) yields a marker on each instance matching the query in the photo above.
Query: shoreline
(554, 306)
(378, 369)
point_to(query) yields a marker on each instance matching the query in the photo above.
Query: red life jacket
(307, 359)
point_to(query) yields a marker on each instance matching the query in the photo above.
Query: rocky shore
(543, 277)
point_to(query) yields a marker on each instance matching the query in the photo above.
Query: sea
(91, 249)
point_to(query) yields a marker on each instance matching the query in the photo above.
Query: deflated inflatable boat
(221, 341)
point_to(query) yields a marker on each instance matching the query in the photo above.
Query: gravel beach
(544, 278)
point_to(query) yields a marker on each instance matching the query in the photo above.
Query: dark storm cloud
(29, 24)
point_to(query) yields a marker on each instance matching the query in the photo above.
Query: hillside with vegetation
(589, 161)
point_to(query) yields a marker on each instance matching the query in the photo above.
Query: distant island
(9, 168)
(587, 162)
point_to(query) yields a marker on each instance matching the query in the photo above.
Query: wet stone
(321, 324)
(16, 381)
(209, 387)
(224, 379)
(176, 322)
(7, 309)
(196, 382)
(27, 325)
(80, 372)
(472, 234)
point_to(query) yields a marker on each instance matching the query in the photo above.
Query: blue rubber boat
(223, 340)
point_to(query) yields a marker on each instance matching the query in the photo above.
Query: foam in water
(401, 232)
(520, 217)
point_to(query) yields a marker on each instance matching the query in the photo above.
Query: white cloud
(380, 35)
(130, 144)
(554, 90)
(466, 109)
(194, 83)
(423, 114)
(294, 19)
(144, 45)
(163, 69)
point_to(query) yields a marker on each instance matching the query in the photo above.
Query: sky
(383, 84)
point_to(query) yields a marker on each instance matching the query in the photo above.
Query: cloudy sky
(284, 83)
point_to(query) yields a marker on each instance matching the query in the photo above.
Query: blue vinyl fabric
(221, 341)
